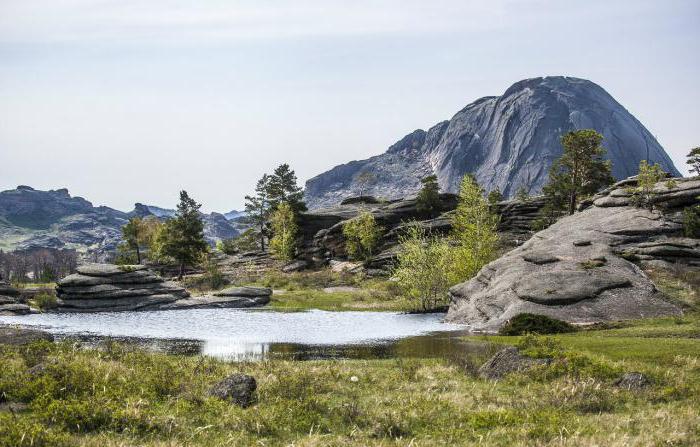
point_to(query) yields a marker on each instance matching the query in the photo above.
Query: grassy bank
(122, 396)
(327, 290)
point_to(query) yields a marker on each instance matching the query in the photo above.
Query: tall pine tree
(258, 207)
(183, 238)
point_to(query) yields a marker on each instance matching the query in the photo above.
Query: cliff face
(507, 141)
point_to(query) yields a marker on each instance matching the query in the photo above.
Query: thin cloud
(41, 21)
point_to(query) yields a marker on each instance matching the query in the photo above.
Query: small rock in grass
(506, 361)
(237, 388)
(632, 381)
(354, 379)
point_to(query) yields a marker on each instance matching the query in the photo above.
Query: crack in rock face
(566, 287)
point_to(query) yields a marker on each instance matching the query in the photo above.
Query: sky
(125, 101)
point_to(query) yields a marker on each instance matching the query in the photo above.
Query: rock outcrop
(580, 269)
(112, 288)
(322, 237)
(11, 302)
(506, 141)
(106, 287)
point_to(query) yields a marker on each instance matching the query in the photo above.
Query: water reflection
(434, 345)
(238, 335)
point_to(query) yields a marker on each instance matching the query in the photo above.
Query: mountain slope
(31, 219)
(507, 141)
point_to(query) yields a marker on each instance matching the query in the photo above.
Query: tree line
(37, 265)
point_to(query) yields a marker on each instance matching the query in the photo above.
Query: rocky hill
(31, 219)
(587, 267)
(507, 141)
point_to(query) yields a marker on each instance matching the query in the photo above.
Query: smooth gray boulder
(594, 280)
(566, 287)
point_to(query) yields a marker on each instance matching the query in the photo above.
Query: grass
(122, 396)
(305, 290)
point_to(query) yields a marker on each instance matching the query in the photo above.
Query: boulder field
(109, 288)
(581, 268)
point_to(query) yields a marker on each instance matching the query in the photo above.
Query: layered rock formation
(506, 141)
(11, 302)
(112, 288)
(106, 287)
(579, 270)
(322, 230)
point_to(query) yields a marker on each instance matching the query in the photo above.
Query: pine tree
(428, 200)
(283, 187)
(694, 160)
(581, 170)
(258, 208)
(183, 238)
(495, 196)
(131, 233)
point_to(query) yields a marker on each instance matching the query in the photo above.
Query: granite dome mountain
(507, 141)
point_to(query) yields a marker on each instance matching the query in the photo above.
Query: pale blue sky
(124, 101)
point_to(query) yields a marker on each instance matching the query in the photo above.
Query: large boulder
(106, 287)
(579, 270)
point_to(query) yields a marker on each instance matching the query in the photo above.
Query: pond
(237, 334)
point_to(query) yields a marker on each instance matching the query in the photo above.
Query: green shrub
(691, 221)
(45, 301)
(17, 430)
(362, 236)
(535, 324)
(284, 232)
(424, 269)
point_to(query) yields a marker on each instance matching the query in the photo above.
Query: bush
(45, 301)
(691, 221)
(424, 269)
(362, 236)
(535, 324)
(284, 232)
(246, 241)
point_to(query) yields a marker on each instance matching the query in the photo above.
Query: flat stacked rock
(10, 302)
(232, 297)
(580, 269)
(106, 287)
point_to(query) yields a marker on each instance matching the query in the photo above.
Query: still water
(237, 334)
